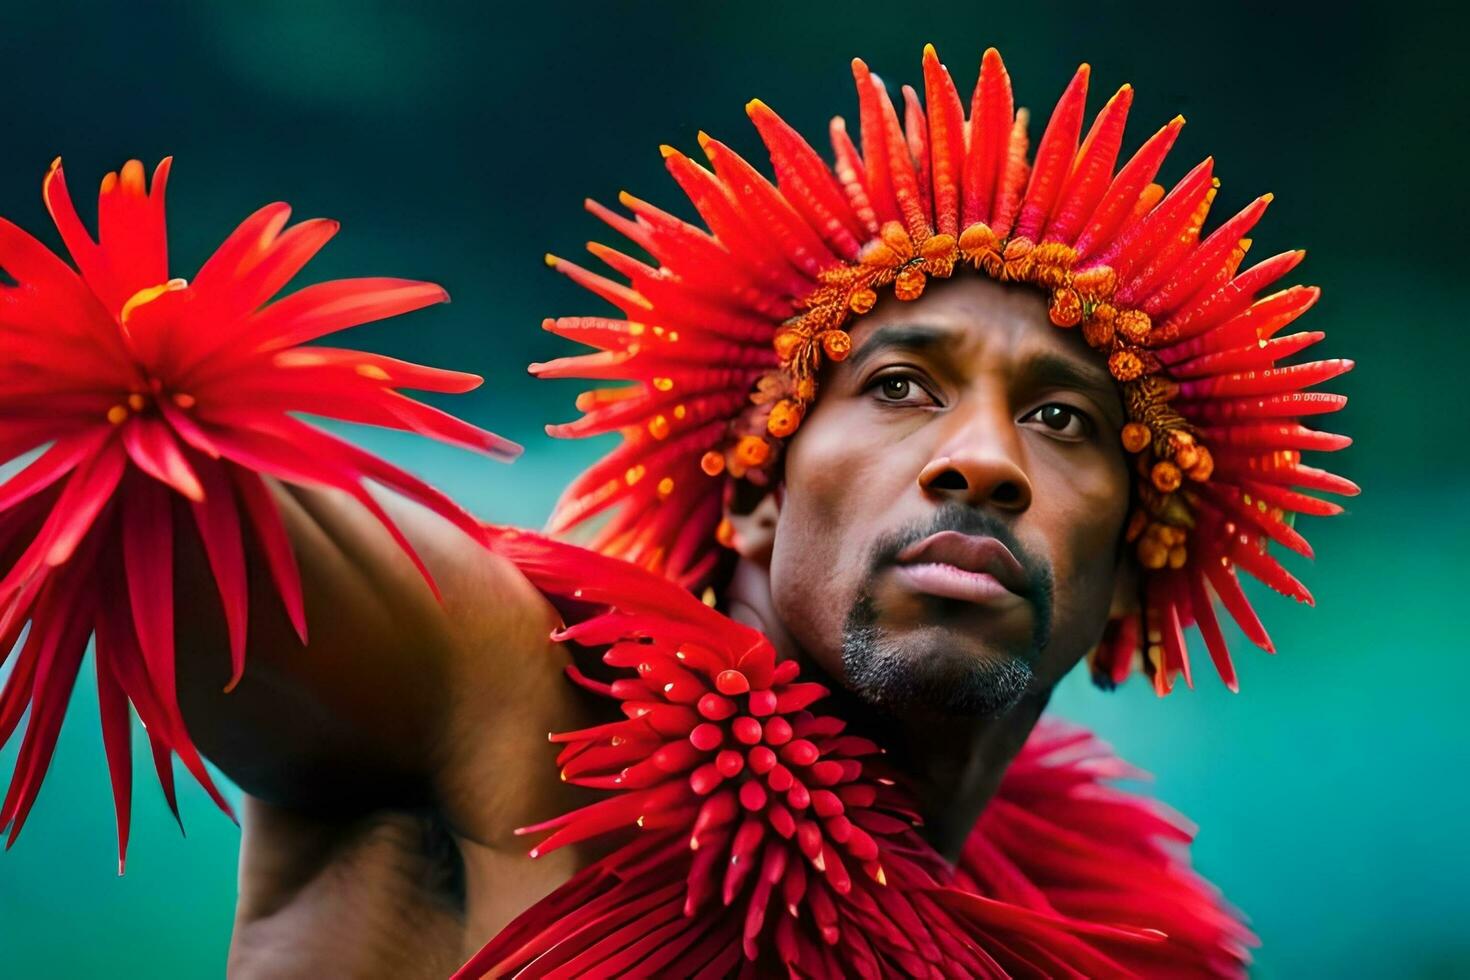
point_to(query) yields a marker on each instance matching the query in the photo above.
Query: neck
(953, 764)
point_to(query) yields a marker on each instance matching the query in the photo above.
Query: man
(926, 502)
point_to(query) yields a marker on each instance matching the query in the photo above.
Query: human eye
(1062, 421)
(900, 388)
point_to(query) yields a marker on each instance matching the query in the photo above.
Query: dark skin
(388, 763)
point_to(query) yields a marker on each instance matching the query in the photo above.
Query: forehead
(969, 316)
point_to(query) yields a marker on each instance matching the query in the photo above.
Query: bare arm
(398, 699)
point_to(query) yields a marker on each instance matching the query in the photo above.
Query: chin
(938, 673)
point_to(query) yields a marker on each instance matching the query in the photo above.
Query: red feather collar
(770, 841)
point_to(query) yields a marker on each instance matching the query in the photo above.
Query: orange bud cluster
(1125, 365)
(1066, 308)
(1161, 546)
(1097, 330)
(1132, 326)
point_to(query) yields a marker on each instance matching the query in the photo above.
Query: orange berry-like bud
(712, 462)
(896, 237)
(1203, 466)
(788, 342)
(806, 389)
(940, 268)
(1152, 553)
(1016, 258)
(785, 417)
(752, 451)
(837, 344)
(1066, 308)
(725, 533)
(1017, 248)
(1100, 280)
(1185, 457)
(976, 239)
(938, 248)
(1125, 365)
(1165, 476)
(1133, 326)
(909, 285)
(1136, 437)
(1177, 557)
(862, 301)
(879, 254)
(1098, 330)
(1051, 263)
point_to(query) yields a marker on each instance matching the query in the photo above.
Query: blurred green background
(456, 144)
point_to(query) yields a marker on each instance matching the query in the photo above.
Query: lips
(971, 568)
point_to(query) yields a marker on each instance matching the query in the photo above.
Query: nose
(979, 462)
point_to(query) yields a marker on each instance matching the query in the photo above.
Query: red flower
(156, 406)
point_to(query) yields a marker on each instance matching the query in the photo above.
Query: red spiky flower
(766, 839)
(157, 406)
(724, 337)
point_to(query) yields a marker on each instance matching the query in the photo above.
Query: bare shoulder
(501, 686)
(408, 719)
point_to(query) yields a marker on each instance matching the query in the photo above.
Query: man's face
(949, 523)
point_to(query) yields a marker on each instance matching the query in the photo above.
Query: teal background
(456, 143)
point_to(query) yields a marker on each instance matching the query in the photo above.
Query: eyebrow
(1044, 369)
(916, 337)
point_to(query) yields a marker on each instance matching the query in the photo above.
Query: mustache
(954, 516)
(976, 523)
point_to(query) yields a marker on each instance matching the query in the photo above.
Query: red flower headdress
(156, 406)
(724, 338)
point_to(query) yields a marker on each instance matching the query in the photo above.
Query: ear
(753, 512)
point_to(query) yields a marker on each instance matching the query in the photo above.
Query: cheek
(1085, 517)
(839, 489)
